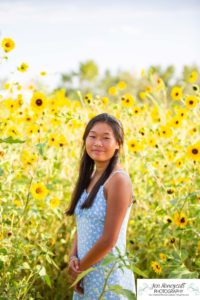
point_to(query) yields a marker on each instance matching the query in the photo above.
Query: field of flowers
(40, 143)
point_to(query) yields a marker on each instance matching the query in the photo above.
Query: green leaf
(120, 291)
(45, 277)
(139, 272)
(10, 140)
(1, 171)
(47, 280)
(184, 254)
(1, 264)
(183, 272)
(80, 276)
(41, 147)
(110, 257)
(3, 251)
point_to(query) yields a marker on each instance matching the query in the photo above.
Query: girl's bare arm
(74, 246)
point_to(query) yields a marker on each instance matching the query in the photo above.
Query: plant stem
(105, 282)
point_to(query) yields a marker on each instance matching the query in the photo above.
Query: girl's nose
(98, 143)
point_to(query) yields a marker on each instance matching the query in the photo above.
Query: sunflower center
(38, 102)
(182, 220)
(176, 94)
(191, 102)
(38, 190)
(7, 44)
(195, 151)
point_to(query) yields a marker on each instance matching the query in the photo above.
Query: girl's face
(100, 142)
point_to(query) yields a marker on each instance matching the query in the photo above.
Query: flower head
(193, 152)
(180, 219)
(8, 44)
(156, 267)
(39, 191)
(176, 93)
(23, 67)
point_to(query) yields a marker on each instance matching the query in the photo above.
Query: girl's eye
(106, 138)
(92, 136)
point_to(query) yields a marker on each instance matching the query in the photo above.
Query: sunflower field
(40, 142)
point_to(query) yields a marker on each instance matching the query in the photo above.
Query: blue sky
(57, 35)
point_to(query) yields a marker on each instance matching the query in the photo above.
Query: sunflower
(182, 112)
(17, 203)
(43, 73)
(61, 141)
(156, 267)
(136, 110)
(175, 122)
(142, 95)
(176, 93)
(38, 101)
(160, 84)
(191, 101)
(180, 219)
(151, 141)
(112, 91)
(193, 152)
(163, 256)
(155, 115)
(32, 129)
(23, 67)
(195, 88)
(11, 105)
(20, 99)
(13, 131)
(6, 86)
(193, 130)
(193, 76)
(148, 89)
(52, 139)
(179, 162)
(168, 219)
(134, 145)
(38, 191)
(121, 85)
(7, 44)
(28, 119)
(54, 202)
(127, 100)
(27, 158)
(88, 98)
(165, 131)
(105, 100)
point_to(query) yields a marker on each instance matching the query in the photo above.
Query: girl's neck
(100, 169)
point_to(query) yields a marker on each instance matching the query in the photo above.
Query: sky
(57, 35)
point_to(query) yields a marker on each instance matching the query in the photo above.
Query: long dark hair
(87, 163)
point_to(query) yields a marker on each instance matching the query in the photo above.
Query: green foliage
(88, 71)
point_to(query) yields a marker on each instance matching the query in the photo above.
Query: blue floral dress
(90, 225)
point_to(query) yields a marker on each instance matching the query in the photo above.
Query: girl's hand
(78, 288)
(74, 272)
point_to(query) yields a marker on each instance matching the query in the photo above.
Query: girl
(101, 201)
